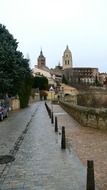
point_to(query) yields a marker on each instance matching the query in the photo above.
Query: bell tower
(41, 60)
(67, 59)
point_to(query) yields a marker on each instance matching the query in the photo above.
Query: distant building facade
(86, 75)
(103, 78)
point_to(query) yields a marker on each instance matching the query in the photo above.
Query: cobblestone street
(40, 164)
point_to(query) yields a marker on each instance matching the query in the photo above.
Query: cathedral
(81, 75)
(72, 74)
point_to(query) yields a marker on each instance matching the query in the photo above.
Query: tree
(40, 82)
(15, 74)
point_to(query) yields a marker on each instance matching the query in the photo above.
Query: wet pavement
(39, 164)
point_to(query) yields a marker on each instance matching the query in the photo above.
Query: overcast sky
(51, 25)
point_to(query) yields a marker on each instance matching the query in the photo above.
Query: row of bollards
(48, 109)
(63, 139)
(90, 184)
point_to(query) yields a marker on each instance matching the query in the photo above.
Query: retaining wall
(88, 117)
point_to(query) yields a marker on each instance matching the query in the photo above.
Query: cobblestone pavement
(40, 164)
(12, 127)
(88, 143)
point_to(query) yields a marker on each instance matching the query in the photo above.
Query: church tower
(67, 59)
(41, 60)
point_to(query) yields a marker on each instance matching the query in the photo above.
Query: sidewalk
(40, 163)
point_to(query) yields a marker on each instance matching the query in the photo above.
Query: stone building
(41, 69)
(57, 73)
(103, 78)
(85, 75)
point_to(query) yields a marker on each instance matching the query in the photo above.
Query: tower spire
(41, 60)
(67, 47)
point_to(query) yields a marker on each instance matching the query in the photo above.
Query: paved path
(40, 163)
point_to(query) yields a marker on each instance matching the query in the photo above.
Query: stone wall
(92, 99)
(15, 104)
(70, 98)
(88, 117)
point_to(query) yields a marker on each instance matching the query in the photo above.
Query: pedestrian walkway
(40, 164)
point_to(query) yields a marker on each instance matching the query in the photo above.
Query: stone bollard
(50, 114)
(63, 139)
(52, 119)
(90, 175)
(56, 125)
(45, 105)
